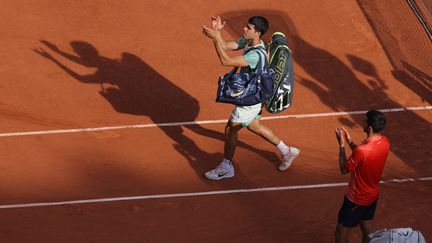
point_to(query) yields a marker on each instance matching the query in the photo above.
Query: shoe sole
(220, 178)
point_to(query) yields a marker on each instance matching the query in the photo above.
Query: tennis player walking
(244, 116)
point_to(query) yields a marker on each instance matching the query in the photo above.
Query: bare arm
(352, 145)
(225, 59)
(342, 157)
(342, 161)
(229, 45)
(218, 42)
(226, 45)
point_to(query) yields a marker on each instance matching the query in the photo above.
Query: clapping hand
(217, 23)
(347, 135)
(340, 136)
(208, 32)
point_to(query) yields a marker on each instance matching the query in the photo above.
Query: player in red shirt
(365, 165)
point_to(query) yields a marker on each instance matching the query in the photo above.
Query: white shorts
(245, 114)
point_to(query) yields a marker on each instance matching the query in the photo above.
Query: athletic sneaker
(287, 159)
(224, 170)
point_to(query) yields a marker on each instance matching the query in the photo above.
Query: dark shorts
(350, 214)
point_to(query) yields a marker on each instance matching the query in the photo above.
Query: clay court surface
(144, 75)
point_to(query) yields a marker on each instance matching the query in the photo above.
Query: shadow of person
(409, 56)
(334, 81)
(417, 80)
(366, 67)
(131, 86)
(336, 85)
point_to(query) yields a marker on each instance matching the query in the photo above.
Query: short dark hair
(376, 120)
(261, 24)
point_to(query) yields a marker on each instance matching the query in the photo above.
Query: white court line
(193, 194)
(97, 129)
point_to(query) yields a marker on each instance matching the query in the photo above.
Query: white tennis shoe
(222, 171)
(288, 158)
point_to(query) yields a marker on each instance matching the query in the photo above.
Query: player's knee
(251, 128)
(231, 129)
(254, 126)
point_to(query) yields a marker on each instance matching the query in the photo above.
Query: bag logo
(280, 66)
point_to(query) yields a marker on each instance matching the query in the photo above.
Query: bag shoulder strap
(259, 49)
(261, 64)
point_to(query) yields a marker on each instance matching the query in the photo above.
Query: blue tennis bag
(246, 89)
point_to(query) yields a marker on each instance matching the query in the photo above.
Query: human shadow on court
(131, 86)
(408, 50)
(417, 80)
(337, 86)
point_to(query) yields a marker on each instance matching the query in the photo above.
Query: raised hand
(340, 136)
(217, 23)
(347, 135)
(208, 32)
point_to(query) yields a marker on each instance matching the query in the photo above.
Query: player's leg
(288, 153)
(265, 132)
(366, 228)
(226, 169)
(349, 216)
(342, 233)
(231, 138)
(367, 221)
(240, 117)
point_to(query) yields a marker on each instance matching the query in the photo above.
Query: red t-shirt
(366, 165)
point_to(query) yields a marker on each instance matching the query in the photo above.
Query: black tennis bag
(246, 89)
(283, 84)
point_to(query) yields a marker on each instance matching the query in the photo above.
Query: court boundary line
(207, 193)
(299, 116)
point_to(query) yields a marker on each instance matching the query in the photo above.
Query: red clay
(142, 62)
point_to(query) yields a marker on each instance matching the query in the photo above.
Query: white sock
(283, 148)
(227, 161)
